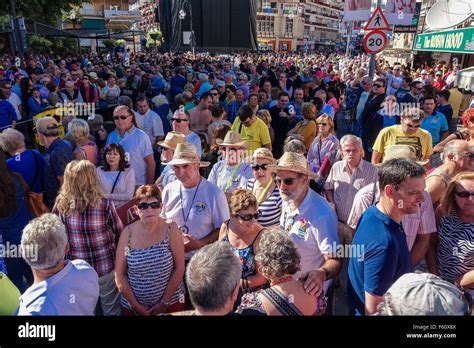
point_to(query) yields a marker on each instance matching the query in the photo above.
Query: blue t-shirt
(25, 165)
(7, 114)
(435, 124)
(385, 257)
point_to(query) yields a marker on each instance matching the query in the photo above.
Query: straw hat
(186, 153)
(294, 162)
(262, 153)
(401, 151)
(172, 140)
(232, 139)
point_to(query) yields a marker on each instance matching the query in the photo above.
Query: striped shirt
(456, 247)
(149, 271)
(421, 222)
(270, 209)
(345, 185)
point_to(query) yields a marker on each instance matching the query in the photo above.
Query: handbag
(33, 199)
(325, 167)
(10, 296)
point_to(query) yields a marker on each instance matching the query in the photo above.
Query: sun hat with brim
(172, 140)
(401, 151)
(232, 139)
(261, 153)
(294, 162)
(425, 294)
(186, 153)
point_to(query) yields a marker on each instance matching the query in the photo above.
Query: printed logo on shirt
(302, 232)
(412, 141)
(199, 207)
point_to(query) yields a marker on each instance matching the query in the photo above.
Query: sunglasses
(179, 120)
(257, 167)
(464, 194)
(378, 86)
(213, 94)
(120, 117)
(413, 126)
(145, 206)
(322, 124)
(287, 181)
(249, 217)
(420, 89)
(466, 154)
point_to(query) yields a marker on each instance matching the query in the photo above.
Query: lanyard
(229, 181)
(254, 190)
(192, 202)
(289, 222)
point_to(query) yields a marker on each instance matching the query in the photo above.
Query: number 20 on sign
(375, 41)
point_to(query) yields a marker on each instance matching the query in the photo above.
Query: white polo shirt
(313, 229)
(151, 124)
(208, 211)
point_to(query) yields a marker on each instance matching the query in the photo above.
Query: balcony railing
(91, 12)
(120, 13)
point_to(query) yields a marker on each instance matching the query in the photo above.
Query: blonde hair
(78, 129)
(265, 116)
(80, 189)
(326, 118)
(241, 199)
(308, 111)
(448, 203)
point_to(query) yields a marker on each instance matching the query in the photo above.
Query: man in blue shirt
(8, 115)
(434, 122)
(385, 255)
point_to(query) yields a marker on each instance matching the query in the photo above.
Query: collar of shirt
(360, 166)
(391, 224)
(126, 133)
(53, 145)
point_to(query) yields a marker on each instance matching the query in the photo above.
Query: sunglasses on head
(257, 167)
(287, 181)
(120, 117)
(145, 206)
(248, 217)
(179, 120)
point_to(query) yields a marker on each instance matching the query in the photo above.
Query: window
(114, 7)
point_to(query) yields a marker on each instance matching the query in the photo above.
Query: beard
(291, 196)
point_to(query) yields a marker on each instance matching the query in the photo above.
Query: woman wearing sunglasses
(264, 189)
(243, 233)
(455, 221)
(150, 260)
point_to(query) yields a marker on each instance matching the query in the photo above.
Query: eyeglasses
(466, 154)
(257, 167)
(145, 206)
(287, 181)
(120, 117)
(413, 126)
(322, 124)
(248, 217)
(464, 194)
(179, 120)
(377, 85)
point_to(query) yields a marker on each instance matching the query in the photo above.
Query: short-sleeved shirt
(58, 155)
(421, 222)
(138, 146)
(228, 178)
(313, 229)
(394, 135)
(53, 295)
(207, 211)
(435, 124)
(385, 258)
(24, 163)
(151, 124)
(257, 135)
(194, 139)
(168, 175)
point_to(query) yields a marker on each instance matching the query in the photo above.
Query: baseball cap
(424, 294)
(47, 126)
(439, 73)
(220, 83)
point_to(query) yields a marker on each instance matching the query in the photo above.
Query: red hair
(467, 115)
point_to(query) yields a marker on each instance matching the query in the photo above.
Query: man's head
(367, 83)
(239, 96)
(180, 121)
(407, 80)
(123, 117)
(142, 105)
(428, 103)
(253, 100)
(69, 86)
(402, 182)
(267, 87)
(5, 89)
(243, 79)
(416, 87)
(246, 115)
(47, 129)
(283, 99)
(213, 279)
(379, 86)
(460, 153)
(186, 164)
(352, 149)
(214, 93)
(44, 242)
(442, 96)
(410, 120)
(205, 102)
(299, 95)
(321, 94)
(230, 90)
(397, 70)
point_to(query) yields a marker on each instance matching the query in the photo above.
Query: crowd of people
(221, 185)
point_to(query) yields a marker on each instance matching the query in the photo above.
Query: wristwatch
(328, 274)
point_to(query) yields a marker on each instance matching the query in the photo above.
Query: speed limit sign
(375, 41)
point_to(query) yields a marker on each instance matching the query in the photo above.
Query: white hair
(11, 140)
(203, 77)
(159, 100)
(351, 139)
(44, 241)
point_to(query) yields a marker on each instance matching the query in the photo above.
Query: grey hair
(11, 140)
(351, 139)
(44, 241)
(203, 77)
(277, 255)
(159, 100)
(212, 275)
(451, 147)
(125, 100)
(295, 145)
(78, 129)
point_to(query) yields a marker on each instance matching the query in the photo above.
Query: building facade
(148, 10)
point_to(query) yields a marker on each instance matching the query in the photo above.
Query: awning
(465, 79)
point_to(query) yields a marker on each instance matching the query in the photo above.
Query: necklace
(184, 229)
(254, 190)
(284, 279)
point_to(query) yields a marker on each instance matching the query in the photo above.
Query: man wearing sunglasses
(412, 97)
(180, 123)
(310, 222)
(406, 133)
(135, 143)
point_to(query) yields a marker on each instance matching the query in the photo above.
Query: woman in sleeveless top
(264, 189)
(455, 220)
(150, 260)
(85, 148)
(279, 260)
(243, 233)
